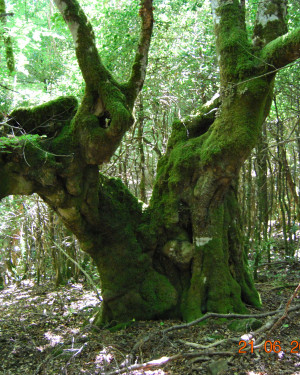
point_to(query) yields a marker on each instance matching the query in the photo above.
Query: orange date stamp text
(270, 347)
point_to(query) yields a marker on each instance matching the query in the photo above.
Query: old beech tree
(183, 256)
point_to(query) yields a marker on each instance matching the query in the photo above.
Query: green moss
(152, 298)
(235, 132)
(32, 148)
(233, 45)
(63, 143)
(10, 60)
(116, 194)
(174, 171)
(212, 286)
(193, 299)
(275, 51)
(131, 289)
(159, 293)
(179, 134)
(46, 118)
(245, 325)
(37, 155)
(8, 144)
(99, 139)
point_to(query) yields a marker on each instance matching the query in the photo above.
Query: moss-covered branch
(35, 146)
(24, 165)
(138, 72)
(93, 71)
(10, 60)
(283, 50)
(270, 21)
(46, 119)
(232, 41)
(105, 113)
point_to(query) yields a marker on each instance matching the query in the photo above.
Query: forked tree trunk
(184, 255)
(163, 264)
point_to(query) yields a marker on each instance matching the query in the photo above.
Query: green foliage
(8, 144)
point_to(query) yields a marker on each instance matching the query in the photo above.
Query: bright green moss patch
(8, 144)
(233, 45)
(275, 51)
(63, 144)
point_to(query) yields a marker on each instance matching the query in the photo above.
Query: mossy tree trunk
(184, 255)
(9, 53)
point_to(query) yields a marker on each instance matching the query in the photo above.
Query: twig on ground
(146, 338)
(278, 322)
(77, 351)
(164, 360)
(200, 346)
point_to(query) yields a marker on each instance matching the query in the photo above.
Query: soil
(47, 331)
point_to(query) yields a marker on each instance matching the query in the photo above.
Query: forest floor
(47, 331)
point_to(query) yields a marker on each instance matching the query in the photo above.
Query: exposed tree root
(259, 336)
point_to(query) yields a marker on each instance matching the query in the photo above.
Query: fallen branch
(278, 322)
(141, 342)
(77, 351)
(164, 360)
(126, 368)
(200, 346)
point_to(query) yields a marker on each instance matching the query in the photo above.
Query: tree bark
(184, 255)
(9, 53)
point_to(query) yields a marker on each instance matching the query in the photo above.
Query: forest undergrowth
(47, 330)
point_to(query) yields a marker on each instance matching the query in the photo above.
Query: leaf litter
(47, 330)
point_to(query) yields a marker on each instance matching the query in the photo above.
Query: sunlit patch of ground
(45, 331)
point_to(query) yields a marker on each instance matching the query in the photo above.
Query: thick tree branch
(6, 14)
(231, 40)
(283, 50)
(93, 71)
(138, 72)
(10, 60)
(19, 170)
(270, 21)
(45, 119)
(104, 115)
